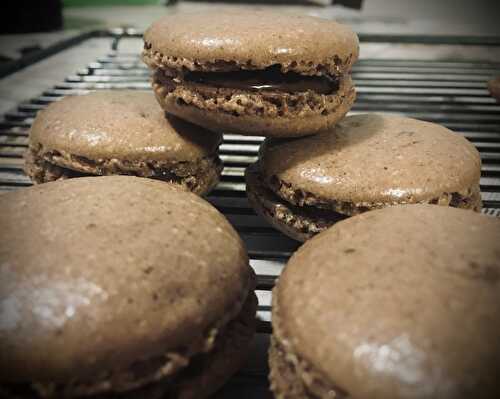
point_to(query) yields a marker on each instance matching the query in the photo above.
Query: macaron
(255, 73)
(121, 287)
(369, 161)
(120, 132)
(398, 303)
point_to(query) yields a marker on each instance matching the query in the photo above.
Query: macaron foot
(199, 176)
(288, 383)
(113, 279)
(366, 162)
(261, 113)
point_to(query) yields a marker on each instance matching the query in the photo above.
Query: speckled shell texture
(99, 272)
(396, 303)
(374, 159)
(127, 125)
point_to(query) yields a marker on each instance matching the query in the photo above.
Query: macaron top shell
(375, 158)
(231, 40)
(398, 303)
(126, 124)
(99, 272)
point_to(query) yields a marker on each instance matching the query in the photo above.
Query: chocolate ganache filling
(269, 79)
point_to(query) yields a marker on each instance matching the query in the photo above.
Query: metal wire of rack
(452, 93)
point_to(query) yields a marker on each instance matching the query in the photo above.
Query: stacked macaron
(258, 73)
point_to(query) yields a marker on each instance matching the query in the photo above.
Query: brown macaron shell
(258, 114)
(233, 42)
(120, 132)
(396, 303)
(134, 309)
(374, 160)
(214, 41)
(369, 161)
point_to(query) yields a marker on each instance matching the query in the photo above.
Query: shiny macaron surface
(395, 303)
(100, 272)
(127, 125)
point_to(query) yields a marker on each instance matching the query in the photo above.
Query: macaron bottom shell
(255, 113)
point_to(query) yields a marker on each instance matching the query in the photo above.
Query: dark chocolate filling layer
(322, 216)
(269, 79)
(310, 215)
(470, 198)
(305, 219)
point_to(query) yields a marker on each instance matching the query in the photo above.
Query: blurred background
(35, 30)
(28, 26)
(32, 30)
(443, 16)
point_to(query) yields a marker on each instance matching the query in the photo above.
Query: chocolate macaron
(119, 287)
(254, 73)
(398, 303)
(120, 132)
(303, 186)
